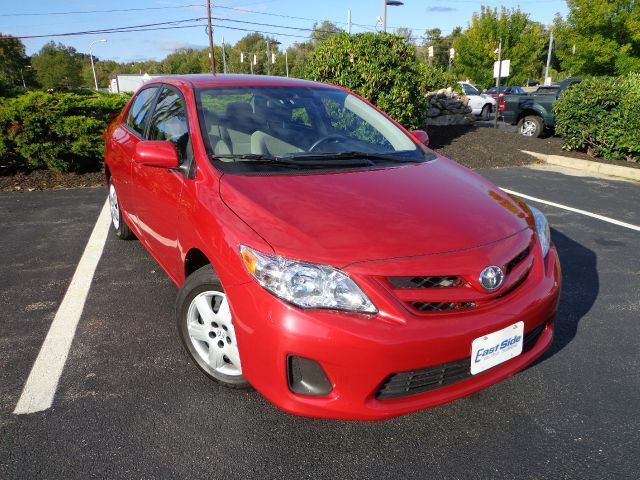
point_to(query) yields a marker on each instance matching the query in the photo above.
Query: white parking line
(575, 210)
(38, 392)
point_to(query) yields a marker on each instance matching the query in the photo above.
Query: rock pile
(448, 108)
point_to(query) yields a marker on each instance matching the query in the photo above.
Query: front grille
(517, 259)
(442, 306)
(426, 282)
(520, 281)
(419, 381)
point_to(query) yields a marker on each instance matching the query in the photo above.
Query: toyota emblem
(491, 277)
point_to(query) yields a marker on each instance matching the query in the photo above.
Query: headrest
(239, 109)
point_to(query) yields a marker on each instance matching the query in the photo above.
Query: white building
(129, 82)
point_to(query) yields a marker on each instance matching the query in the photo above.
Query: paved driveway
(129, 404)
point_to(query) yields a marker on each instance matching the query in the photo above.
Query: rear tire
(486, 112)
(120, 227)
(531, 126)
(206, 328)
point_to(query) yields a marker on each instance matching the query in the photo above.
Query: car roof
(222, 80)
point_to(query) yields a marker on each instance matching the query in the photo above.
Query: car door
(158, 190)
(123, 143)
(475, 100)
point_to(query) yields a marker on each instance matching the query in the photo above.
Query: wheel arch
(195, 259)
(531, 112)
(107, 174)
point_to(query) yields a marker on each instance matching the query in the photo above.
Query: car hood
(346, 217)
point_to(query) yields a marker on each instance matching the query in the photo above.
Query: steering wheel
(323, 140)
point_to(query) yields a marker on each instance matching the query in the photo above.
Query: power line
(132, 28)
(82, 12)
(152, 26)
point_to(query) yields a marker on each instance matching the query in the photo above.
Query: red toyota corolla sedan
(324, 254)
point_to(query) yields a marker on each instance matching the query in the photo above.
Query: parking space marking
(40, 388)
(575, 210)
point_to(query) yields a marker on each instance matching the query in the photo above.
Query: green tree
(250, 45)
(187, 60)
(13, 60)
(405, 33)
(380, 67)
(323, 31)
(59, 66)
(606, 35)
(523, 42)
(441, 46)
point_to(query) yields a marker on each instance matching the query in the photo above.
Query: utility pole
(498, 83)
(546, 72)
(348, 23)
(224, 58)
(286, 61)
(212, 58)
(268, 58)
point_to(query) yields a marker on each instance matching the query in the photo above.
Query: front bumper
(358, 352)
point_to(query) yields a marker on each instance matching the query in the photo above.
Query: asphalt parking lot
(129, 404)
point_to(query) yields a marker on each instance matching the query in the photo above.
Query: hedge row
(59, 131)
(602, 116)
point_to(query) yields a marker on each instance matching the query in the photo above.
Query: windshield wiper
(298, 160)
(339, 156)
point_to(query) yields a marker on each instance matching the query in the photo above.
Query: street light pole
(498, 84)
(393, 3)
(384, 16)
(93, 68)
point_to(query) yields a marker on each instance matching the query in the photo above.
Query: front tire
(120, 227)
(531, 126)
(206, 328)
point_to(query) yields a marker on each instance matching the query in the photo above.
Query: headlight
(306, 285)
(542, 227)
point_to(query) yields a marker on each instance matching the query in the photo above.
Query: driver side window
(169, 122)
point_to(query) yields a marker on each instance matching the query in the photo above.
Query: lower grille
(426, 282)
(419, 381)
(442, 306)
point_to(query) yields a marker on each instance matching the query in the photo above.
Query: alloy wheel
(114, 207)
(528, 128)
(211, 332)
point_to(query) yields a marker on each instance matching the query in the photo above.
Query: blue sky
(416, 14)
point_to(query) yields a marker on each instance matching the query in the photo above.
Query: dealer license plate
(497, 347)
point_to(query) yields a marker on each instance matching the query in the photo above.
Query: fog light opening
(306, 376)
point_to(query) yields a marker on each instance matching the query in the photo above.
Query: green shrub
(602, 116)
(435, 78)
(379, 67)
(59, 131)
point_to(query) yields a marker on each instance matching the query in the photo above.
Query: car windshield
(289, 129)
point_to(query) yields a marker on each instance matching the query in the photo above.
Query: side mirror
(421, 136)
(155, 153)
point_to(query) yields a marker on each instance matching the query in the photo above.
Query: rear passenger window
(139, 110)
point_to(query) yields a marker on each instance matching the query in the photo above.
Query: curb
(595, 167)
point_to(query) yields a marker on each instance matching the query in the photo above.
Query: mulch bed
(46, 180)
(485, 147)
(473, 146)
